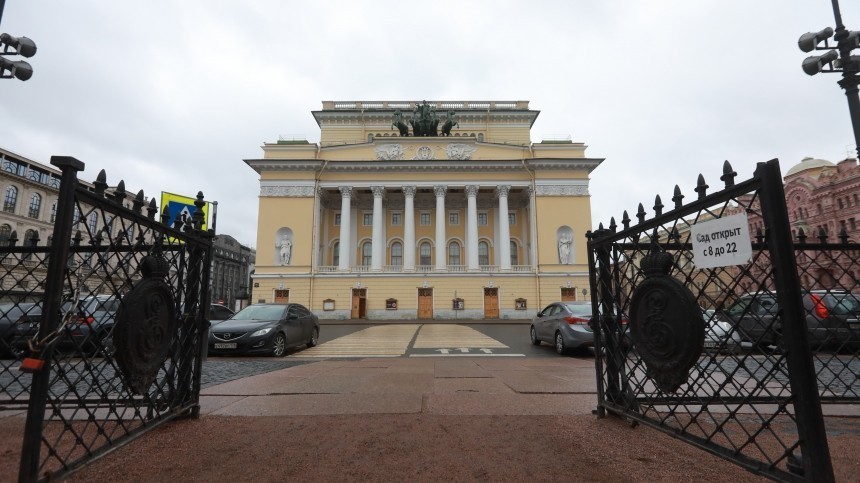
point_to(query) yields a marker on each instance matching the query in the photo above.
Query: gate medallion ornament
(146, 324)
(666, 324)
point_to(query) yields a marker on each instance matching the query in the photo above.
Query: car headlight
(261, 332)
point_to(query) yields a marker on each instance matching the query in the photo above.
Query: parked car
(265, 329)
(566, 325)
(89, 329)
(831, 320)
(13, 336)
(719, 335)
(218, 313)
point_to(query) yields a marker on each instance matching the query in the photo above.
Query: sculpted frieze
(288, 191)
(389, 152)
(561, 190)
(459, 151)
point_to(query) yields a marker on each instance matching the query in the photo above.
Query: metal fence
(102, 326)
(735, 358)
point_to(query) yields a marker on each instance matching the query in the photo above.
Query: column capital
(440, 190)
(503, 190)
(345, 191)
(409, 191)
(472, 190)
(378, 191)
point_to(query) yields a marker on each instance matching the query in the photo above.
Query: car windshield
(260, 312)
(582, 310)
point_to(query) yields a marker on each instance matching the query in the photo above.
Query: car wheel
(279, 345)
(559, 344)
(535, 339)
(314, 337)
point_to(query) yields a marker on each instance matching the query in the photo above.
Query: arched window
(93, 222)
(366, 253)
(30, 241)
(54, 211)
(5, 233)
(11, 199)
(35, 205)
(335, 254)
(424, 254)
(480, 137)
(396, 254)
(483, 253)
(515, 258)
(28, 238)
(453, 253)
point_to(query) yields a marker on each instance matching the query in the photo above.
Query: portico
(388, 223)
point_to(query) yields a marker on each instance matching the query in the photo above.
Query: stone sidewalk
(461, 386)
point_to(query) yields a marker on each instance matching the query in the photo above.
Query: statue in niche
(286, 249)
(424, 120)
(399, 124)
(564, 243)
(450, 122)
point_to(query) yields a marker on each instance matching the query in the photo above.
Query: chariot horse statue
(399, 124)
(450, 122)
(424, 120)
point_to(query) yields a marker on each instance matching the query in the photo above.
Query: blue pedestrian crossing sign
(177, 205)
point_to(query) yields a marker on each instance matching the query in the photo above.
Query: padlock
(31, 365)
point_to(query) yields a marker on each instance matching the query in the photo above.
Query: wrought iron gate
(103, 328)
(735, 359)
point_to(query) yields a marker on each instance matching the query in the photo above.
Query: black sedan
(265, 329)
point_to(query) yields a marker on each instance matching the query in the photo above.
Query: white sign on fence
(722, 242)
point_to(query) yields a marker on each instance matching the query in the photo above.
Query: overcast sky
(173, 95)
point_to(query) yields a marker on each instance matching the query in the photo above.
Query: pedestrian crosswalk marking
(447, 336)
(390, 340)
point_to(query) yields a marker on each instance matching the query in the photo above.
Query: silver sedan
(565, 325)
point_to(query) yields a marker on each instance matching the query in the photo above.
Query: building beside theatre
(427, 210)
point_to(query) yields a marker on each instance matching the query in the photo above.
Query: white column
(472, 227)
(441, 220)
(504, 241)
(377, 246)
(533, 260)
(409, 229)
(343, 254)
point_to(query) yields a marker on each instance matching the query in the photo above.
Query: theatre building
(423, 210)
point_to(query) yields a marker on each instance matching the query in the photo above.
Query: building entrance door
(282, 296)
(425, 303)
(491, 303)
(359, 303)
(568, 294)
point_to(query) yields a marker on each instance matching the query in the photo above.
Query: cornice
(449, 165)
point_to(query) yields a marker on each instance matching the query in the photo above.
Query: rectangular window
(367, 219)
(852, 224)
(512, 218)
(424, 218)
(453, 218)
(337, 219)
(482, 218)
(396, 218)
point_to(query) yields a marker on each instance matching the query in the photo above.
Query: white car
(719, 335)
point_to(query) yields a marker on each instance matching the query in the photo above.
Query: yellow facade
(367, 223)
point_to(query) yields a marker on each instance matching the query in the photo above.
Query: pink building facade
(823, 197)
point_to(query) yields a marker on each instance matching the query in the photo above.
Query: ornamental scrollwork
(459, 151)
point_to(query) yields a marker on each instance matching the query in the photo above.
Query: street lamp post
(837, 60)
